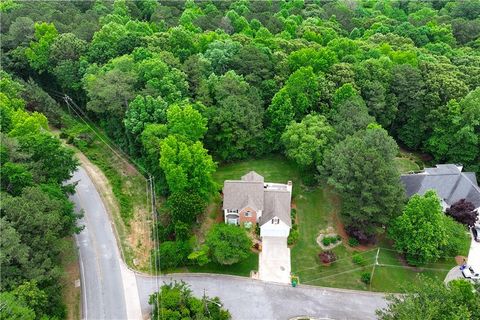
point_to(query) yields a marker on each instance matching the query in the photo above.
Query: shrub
(200, 256)
(327, 256)
(359, 259)
(182, 231)
(326, 241)
(339, 237)
(173, 254)
(366, 277)
(293, 236)
(228, 244)
(361, 235)
(293, 214)
(352, 242)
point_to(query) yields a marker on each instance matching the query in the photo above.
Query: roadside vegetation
(176, 301)
(37, 219)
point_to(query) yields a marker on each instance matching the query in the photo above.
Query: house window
(275, 221)
(248, 214)
(232, 211)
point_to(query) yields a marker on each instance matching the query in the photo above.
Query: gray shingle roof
(250, 191)
(277, 204)
(447, 180)
(252, 176)
(238, 194)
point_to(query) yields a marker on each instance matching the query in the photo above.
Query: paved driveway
(274, 260)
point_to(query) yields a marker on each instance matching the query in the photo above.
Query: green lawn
(239, 269)
(273, 168)
(405, 165)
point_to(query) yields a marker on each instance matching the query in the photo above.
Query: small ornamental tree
(464, 212)
(228, 244)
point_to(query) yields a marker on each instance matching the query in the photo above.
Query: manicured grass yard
(239, 269)
(317, 209)
(405, 165)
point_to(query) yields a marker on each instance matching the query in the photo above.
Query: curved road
(111, 291)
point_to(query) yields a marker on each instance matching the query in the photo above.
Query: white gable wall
(270, 229)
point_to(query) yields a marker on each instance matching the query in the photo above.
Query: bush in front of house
(293, 214)
(172, 254)
(366, 277)
(228, 244)
(327, 256)
(293, 236)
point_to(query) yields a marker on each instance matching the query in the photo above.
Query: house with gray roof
(252, 200)
(448, 180)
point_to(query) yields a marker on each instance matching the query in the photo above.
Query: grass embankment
(122, 188)
(71, 279)
(318, 209)
(407, 162)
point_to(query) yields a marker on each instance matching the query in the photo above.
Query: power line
(346, 258)
(70, 103)
(334, 275)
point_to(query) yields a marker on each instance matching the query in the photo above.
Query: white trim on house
(273, 229)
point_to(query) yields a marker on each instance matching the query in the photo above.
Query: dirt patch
(139, 237)
(211, 216)
(459, 260)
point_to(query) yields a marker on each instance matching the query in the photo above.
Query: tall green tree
(143, 111)
(456, 131)
(38, 53)
(362, 170)
(186, 121)
(306, 142)
(187, 165)
(235, 113)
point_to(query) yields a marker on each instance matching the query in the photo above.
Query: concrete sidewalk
(474, 255)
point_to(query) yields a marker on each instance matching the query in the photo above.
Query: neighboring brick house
(253, 200)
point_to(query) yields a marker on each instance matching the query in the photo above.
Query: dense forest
(182, 86)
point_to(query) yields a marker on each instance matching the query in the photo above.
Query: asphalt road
(253, 299)
(111, 291)
(102, 285)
